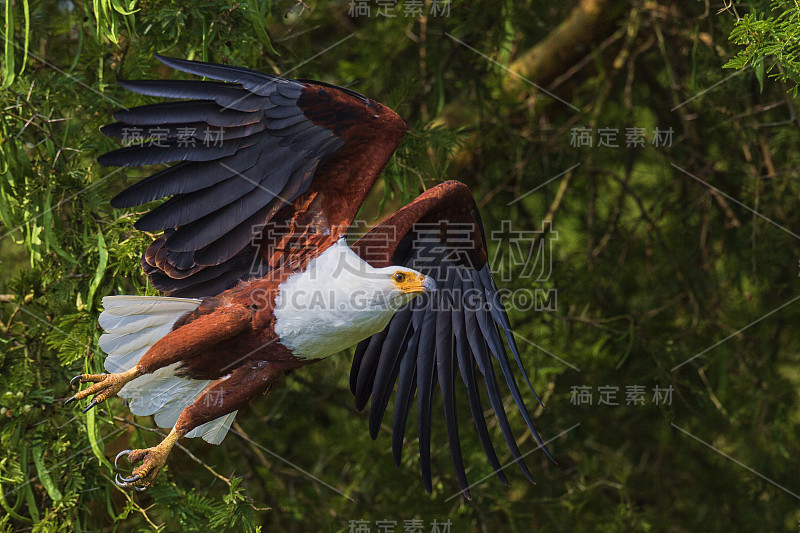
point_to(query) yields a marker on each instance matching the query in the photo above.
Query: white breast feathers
(338, 301)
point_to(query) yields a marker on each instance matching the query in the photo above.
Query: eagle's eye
(399, 277)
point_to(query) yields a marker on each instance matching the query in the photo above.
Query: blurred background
(642, 154)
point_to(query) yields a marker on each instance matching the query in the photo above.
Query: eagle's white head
(340, 300)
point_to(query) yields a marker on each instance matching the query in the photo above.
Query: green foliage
(652, 267)
(770, 36)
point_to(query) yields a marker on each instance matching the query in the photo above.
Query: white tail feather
(135, 323)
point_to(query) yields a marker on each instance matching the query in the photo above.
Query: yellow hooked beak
(413, 282)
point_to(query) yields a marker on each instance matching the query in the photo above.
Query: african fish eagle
(259, 278)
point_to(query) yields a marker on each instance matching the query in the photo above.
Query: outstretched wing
(250, 149)
(439, 234)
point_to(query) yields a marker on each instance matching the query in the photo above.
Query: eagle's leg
(220, 398)
(180, 344)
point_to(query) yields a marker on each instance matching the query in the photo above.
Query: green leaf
(95, 441)
(101, 268)
(257, 10)
(8, 48)
(44, 475)
(758, 67)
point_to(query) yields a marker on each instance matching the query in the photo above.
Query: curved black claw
(76, 378)
(131, 479)
(125, 483)
(94, 402)
(69, 400)
(120, 454)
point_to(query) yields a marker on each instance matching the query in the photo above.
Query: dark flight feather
(388, 366)
(425, 381)
(406, 385)
(224, 94)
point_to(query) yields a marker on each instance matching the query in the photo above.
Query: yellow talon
(105, 386)
(153, 460)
